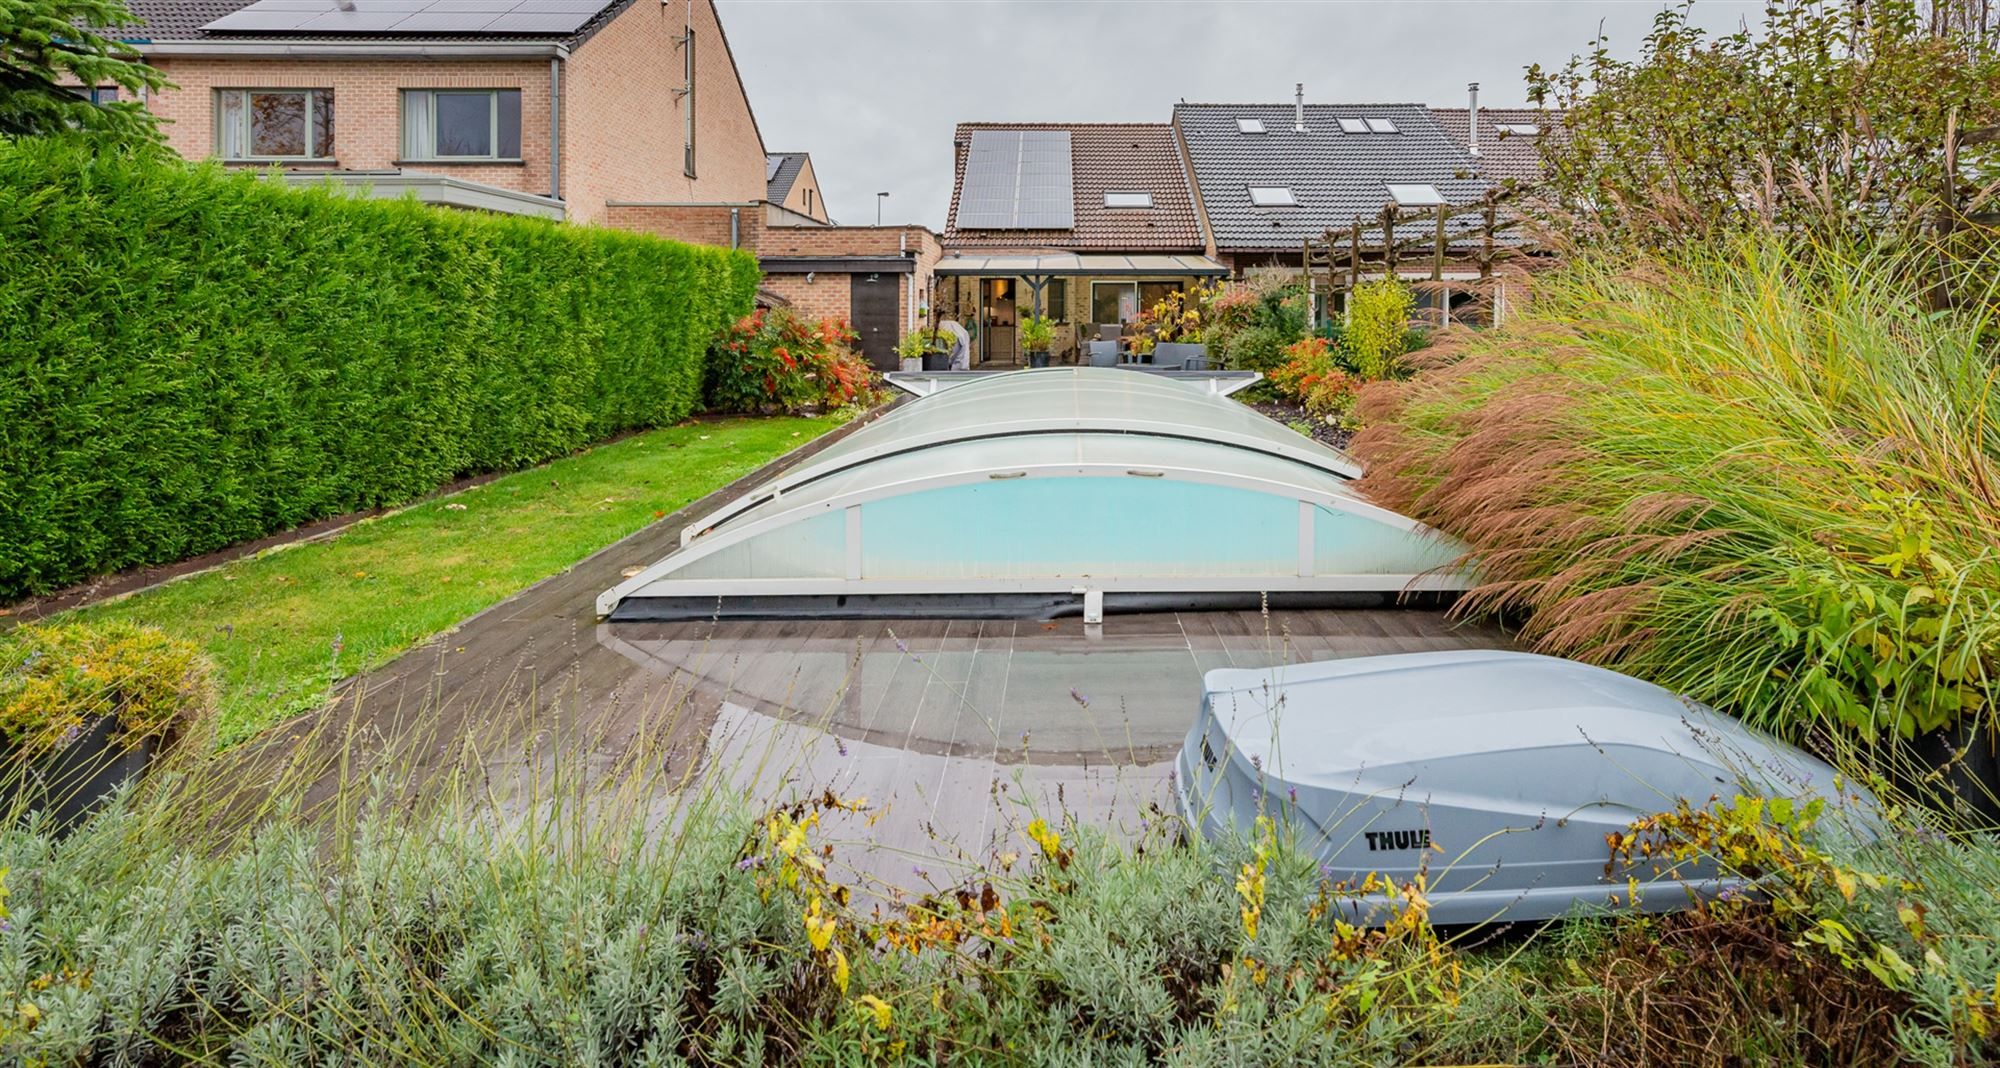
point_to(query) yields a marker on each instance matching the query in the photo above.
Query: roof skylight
(1415, 195)
(1353, 126)
(1519, 129)
(1272, 196)
(1249, 125)
(1128, 200)
(1376, 125)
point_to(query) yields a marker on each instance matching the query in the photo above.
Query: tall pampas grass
(1764, 474)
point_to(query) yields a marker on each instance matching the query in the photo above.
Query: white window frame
(243, 95)
(430, 96)
(1132, 198)
(1249, 126)
(1417, 199)
(1272, 196)
(1130, 286)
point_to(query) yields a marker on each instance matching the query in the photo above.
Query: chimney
(1299, 110)
(1472, 115)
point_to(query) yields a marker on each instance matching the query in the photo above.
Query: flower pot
(913, 363)
(937, 361)
(1038, 359)
(74, 781)
(1957, 770)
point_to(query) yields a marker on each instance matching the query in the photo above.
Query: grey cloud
(872, 88)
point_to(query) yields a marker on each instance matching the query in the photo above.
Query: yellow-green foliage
(1378, 324)
(193, 358)
(58, 678)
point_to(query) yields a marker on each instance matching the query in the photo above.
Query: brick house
(622, 113)
(1090, 222)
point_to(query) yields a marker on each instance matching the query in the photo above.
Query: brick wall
(829, 294)
(624, 127)
(367, 107)
(700, 224)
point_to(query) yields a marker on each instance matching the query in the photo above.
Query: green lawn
(285, 625)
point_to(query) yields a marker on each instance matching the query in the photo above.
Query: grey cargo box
(1497, 774)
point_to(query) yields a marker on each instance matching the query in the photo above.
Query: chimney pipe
(1299, 110)
(1472, 115)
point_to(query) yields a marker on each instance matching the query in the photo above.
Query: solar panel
(1017, 180)
(410, 16)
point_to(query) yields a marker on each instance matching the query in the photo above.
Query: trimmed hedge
(192, 358)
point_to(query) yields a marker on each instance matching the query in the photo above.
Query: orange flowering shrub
(774, 359)
(1312, 377)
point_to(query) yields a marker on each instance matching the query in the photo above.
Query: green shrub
(56, 679)
(1312, 377)
(1759, 476)
(1378, 327)
(194, 358)
(775, 360)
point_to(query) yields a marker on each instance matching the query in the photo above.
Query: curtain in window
(229, 118)
(417, 139)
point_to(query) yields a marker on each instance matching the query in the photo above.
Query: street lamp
(879, 197)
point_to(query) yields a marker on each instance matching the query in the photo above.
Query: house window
(1272, 196)
(1249, 125)
(809, 202)
(687, 90)
(446, 124)
(1055, 300)
(1415, 195)
(1381, 126)
(274, 123)
(1114, 302)
(99, 95)
(1128, 200)
(1519, 129)
(1353, 126)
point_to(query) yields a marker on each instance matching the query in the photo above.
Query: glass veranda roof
(1019, 494)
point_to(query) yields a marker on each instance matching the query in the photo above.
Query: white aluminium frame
(432, 155)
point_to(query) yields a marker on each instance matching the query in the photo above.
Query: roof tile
(1104, 158)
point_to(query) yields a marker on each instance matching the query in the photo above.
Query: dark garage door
(874, 315)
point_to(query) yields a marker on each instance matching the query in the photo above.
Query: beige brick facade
(367, 107)
(621, 121)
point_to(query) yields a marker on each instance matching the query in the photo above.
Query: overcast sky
(872, 88)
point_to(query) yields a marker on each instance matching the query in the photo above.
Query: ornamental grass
(1764, 475)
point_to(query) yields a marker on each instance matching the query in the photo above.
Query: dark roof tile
(1335, 176)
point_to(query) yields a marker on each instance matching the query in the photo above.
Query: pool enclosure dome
(1047, 492)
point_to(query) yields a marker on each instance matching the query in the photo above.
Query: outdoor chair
(1180, 356)
(1110, 331)
(1104, 354)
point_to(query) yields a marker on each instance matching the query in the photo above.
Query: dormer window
(1128, 200)
(1352, 125)
(1249, 125)
(1272, 196)
(1381, 126)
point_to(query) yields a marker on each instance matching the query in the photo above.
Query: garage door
(874, 313)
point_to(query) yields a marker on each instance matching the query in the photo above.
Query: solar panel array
(410, 16)
(1017, 180)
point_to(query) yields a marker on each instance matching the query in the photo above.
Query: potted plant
(937, 350)
(84, 709)
(912, 349)
(1037, 333)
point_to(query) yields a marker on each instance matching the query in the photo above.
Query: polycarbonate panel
(1079, 528)
(814, 547)
(1348, 544)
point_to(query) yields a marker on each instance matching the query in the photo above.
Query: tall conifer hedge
(190, 358)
